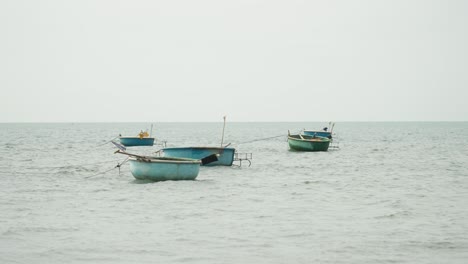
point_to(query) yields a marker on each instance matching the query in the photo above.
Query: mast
(224, 125)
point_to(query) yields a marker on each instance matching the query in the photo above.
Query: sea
(388, 192)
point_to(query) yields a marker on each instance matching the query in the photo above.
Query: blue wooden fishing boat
(308, 143)
(225, 155)
(136, 141)
(321, 133)
(142, 139)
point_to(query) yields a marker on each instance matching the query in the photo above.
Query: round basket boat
(164, 168)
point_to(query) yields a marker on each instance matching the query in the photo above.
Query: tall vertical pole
(151, 132)
(224, 125)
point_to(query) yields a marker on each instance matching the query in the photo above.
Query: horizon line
(135, 122)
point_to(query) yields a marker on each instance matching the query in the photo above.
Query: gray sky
(186, 60)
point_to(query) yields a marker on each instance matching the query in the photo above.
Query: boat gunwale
(321, 139)
(138, 137)
(218, 148)
(166, 160)
(318, 131)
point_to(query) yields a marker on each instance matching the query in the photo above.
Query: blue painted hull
(164, 169)
(136, 141)
(318, 133)
(225, 155)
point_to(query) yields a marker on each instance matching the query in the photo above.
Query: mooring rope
(119, 164)
(78, 165)
(96, 163)
(101, 173)
(260, 139)
(107, 142)
(104, 172)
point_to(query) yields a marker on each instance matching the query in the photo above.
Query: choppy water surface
(392, 193)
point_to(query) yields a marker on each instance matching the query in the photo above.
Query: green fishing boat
(308, 143)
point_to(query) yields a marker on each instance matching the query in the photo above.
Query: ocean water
(392, 193)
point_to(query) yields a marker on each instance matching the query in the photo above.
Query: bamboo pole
(224, 125)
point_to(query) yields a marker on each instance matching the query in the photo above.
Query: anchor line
(104, 172)
(101, 173)
(79, 165)
(120, 164)
(109, 161)
(260, 139)
(255, 140)
(106, 142)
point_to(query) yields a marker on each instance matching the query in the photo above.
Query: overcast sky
(186, 60)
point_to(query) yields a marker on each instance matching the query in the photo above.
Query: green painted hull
(308, 143)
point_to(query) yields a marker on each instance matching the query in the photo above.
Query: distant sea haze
(394, 192)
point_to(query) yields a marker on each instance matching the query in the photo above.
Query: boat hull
(308, 143)
(225, 155)
(136, 141)
(162, 169)
(318, 133)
